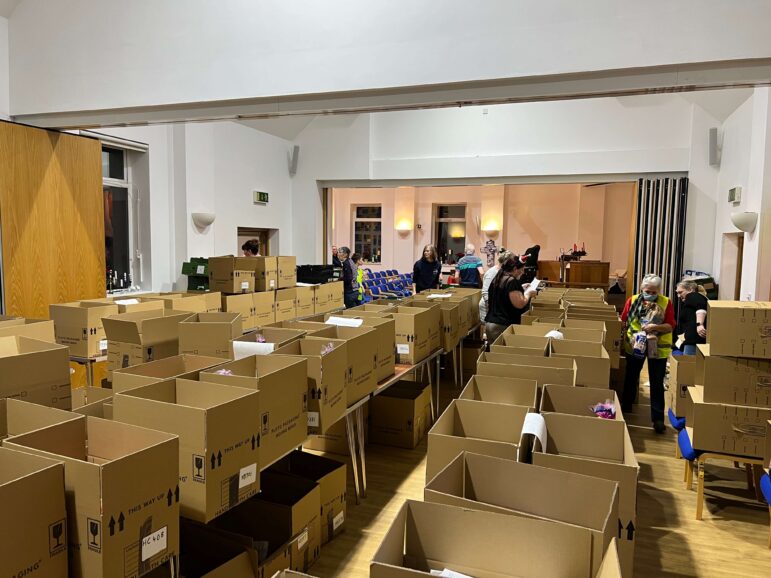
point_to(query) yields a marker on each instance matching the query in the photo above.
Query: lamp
(404, 226)
(491, 226)
(203, 220)
(745, 221)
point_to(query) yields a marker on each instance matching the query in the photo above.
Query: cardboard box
(303, 300)
(732, 380)
(613, 329)
(263, 309)
(592, 361)
(736, 430)
(287, 272)
(538, 330)
(588, 335)
(78, 325)
(476, 426)
(101, 409)
(282, 383)
(472, 349)
(218, 444)
(86, 395)
(577, 400)
(9, 320)
(285, 305)
(541, 373)
(328, 297)
(209, 334)
(739, 328)
(531, 343)
(327, 378)
(414, 329)
(34, 530)
(186, 366)
(265, 273)
(212, 300)
(245, 306)
(134, 304)
(208, 554)
(544, 317)
(511, 391)
(293, 503)
(497, 485)
(601, 448)
(682, 375)
(426, 536)
(263, 341)
(35, 371)
(451, 328)
(18, 417)
(232, 274)
(385, 327)
(119, 523)
(190, 302)
(135, 338)
(330, 475)
(532, 360)
(401, 415)
(40, 329)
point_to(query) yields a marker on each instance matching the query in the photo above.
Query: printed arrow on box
(630, 531)
(213, 460)
(168, 497)
(176, 493)
(219, 459)
(121, 519)
(112, 526)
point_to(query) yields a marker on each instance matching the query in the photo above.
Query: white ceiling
(7, 7)
(286, 127)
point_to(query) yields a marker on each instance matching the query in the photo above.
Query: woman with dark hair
(425, 273)
(507, 298)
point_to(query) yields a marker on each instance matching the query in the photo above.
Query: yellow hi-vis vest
(634, 325)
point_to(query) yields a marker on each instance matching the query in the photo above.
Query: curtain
(660, 239)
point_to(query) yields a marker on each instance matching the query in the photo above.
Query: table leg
(350, 429)
(700, 490)
(90, 373)
(430, 389)
(438, 385)
(362, 462)
(460, 363)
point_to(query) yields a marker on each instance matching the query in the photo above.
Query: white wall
(181, 51)
(4, 71)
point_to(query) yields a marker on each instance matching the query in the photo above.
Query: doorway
(268, 239)
(731, 256)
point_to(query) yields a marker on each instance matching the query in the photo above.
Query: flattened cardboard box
(601, 448)
(330, 475)
(734, 380)
(282, 382)
(682, 375)
(577, 400)
(592, 361)
(187, 366)
(497, 485)
(287, 272)
(218, 439)
(476, 426)
(78, 325)
(739, 328)
(35, 371)
(119, 523)
(232, 274)
(244, 305)
(541, 373)
(34, 530)
(209, 334)
(385, 327)
(135, 338)
(265, 273)
(508, 390)
(263, 341)
(18, 417)
(426, 536)
(40, 329)
(401, 415)
(327, 379)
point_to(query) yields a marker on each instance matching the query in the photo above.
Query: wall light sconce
(203, 220)
(404, 226)
(745, 221)
(491, 228)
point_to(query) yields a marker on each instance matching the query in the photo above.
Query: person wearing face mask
(507, 298)
(635, 318)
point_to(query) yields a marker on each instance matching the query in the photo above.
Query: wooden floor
(730, 541)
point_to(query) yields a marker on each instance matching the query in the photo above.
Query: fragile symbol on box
(57, 537)
(265, 423)
(199, 470)
(94, 535)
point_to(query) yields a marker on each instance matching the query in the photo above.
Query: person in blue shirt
(470, 268)
(427, 269)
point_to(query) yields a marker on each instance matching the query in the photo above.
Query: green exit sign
(260, 198)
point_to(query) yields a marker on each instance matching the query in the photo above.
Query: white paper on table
(298, 284)
(536, 425)
(447, 573)
(127, 301)
(439, 295)
(243, 349)
(344, 321)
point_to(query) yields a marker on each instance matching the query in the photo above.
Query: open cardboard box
(535, 345)
(466, 321)
(327, 378)
(592, 361)
(209, 554)
(577, 400)
(212, 300)
(263, 341)
(536, 330)
(385, 327)
(613, 333)
(40, 329)
(33, 524)
(541, 373)
(730, 380)
(601, 448)
(739, 328)
(35, 371)
(401, 415)
(101, 408)
(190, 302)
(87, 394)
(244, 305)
(122, 484)
(218, 439)
(508, 487)
(426, 536)
(282, 382)
(186, 366)
(476, 426)
(209, 334)
(508, 390)
(18, 417)
(78, 325)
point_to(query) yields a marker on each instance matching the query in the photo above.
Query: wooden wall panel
(52, 218)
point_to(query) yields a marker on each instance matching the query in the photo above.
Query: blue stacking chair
(765, 487)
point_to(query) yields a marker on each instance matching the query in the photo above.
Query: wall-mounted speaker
(293, 158)
(714, 148)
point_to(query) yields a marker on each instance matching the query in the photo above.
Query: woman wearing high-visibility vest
(649, 321)
(356, 258)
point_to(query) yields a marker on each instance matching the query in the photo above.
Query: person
(251, 248)
(356, 258)
(335, 258)
(636, 313)
(692, 317)
(487, 279)
(507, 298)
(350, 285)
(427, 269)
(470, 268)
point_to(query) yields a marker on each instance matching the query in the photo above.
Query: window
(117, 219)
(367, 232)
(450, 227)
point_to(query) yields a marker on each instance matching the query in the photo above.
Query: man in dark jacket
(350, 285)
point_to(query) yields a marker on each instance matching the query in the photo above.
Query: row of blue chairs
(380, 288)
(389, 273)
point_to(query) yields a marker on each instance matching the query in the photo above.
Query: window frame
(437, 220)
(355, 219)
(126, 183)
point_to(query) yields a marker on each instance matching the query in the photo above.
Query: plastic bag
(640, 345)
